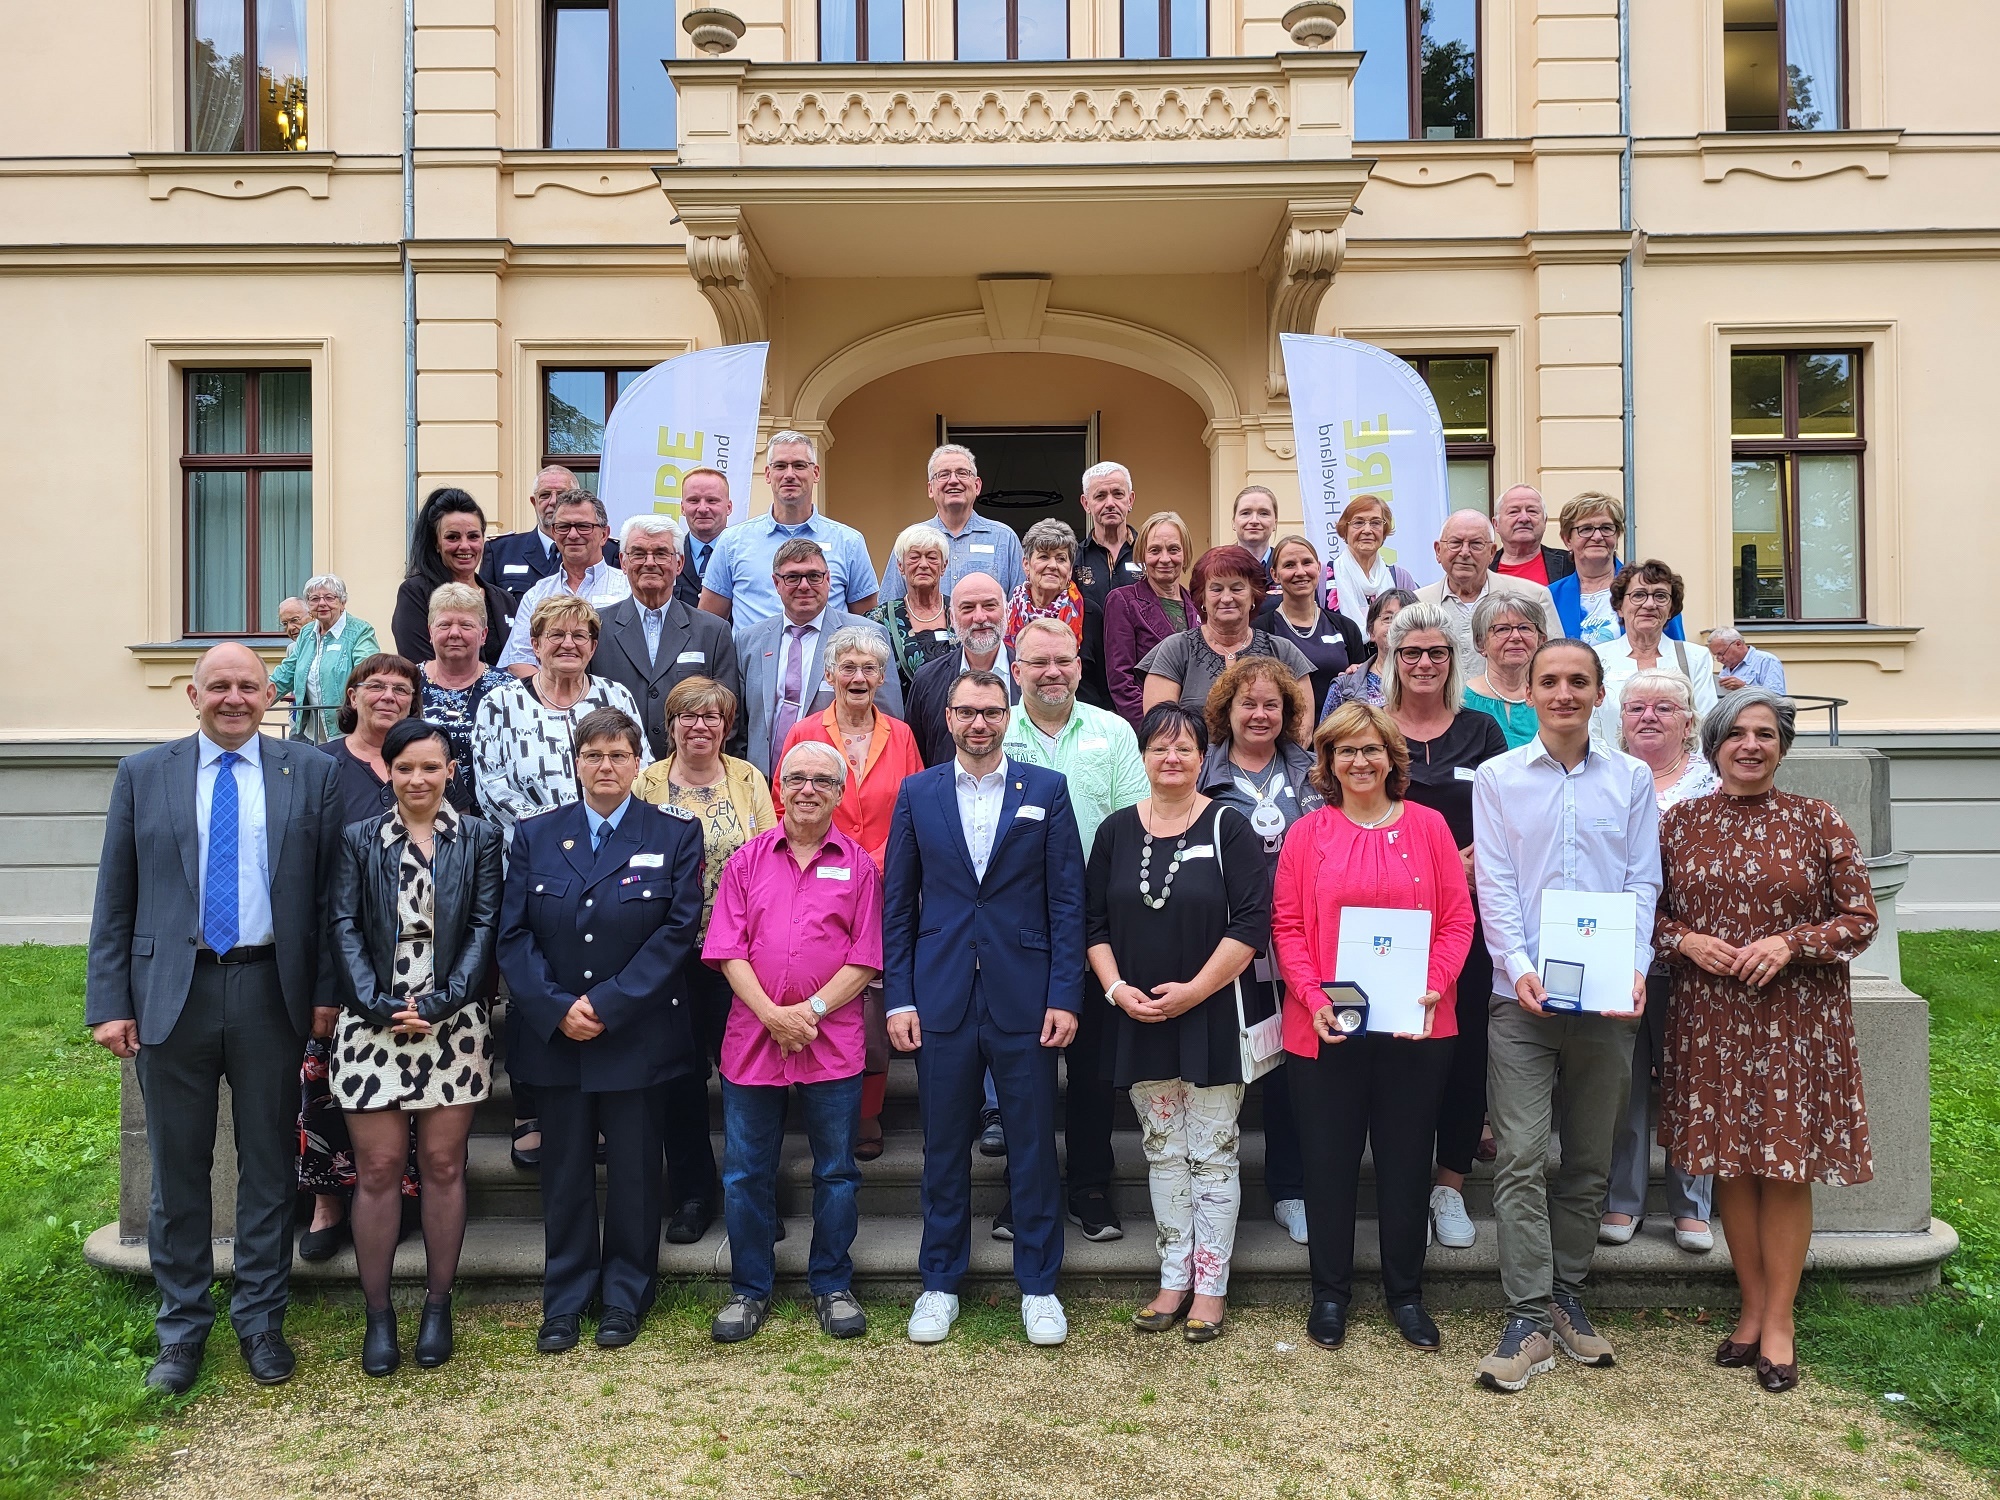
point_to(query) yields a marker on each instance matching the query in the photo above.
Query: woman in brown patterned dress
(1763, 903)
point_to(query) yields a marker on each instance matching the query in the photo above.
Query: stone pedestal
(135, 1163)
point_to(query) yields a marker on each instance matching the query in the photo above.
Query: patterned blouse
(522, 758)
(453, 710)
(1021, 608)
(732, 812)
(914, 648)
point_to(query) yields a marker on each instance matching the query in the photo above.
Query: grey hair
(1409, 620)
(864, 638)
(1531, 490)
(581, 496)
(328, 581)
(1725, 635)
(1487, 612)
(971, 461)
(1722, 718)
(1492, 531)
(1663, 681)
(1104, 471)
(1050, 535)
(647, 523)
(791, 439)
(924, 537)
(834, 760)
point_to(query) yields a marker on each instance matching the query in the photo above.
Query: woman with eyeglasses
(1447, 743)
(1647, 596)
(1507, 631)
(321, 658)
(1593, 528)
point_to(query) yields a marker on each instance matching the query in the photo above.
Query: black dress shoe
(324, 1244)
(177, 1368)
(617, 1328)
(269, 1357)
(992, 1138)
(531, 1158)
(434, 1334)
(380, 1351)
(1327, 1325)
(1418, 1331)
(690, 1222)
(558, 1333)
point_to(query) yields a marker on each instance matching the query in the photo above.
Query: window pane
(586, 479)
(216, 419)
(1826, 396)
(281, 75)
(836, 31)
(1829, 536)
(982, 30)
(1459, 386)
(1815, 95)
(885, 31)
(1382, 86)
(1469, 484)
(284, 411)
(215, 76)
(1757, 395)
(216, 548)
(1044, 29)
(1450, 61)
(645, 93)
(622, 379)
(1757, 561)
(1750, 64)
(576, 411)
(1189, 20)
(578, 117)
(1142, 28)
(284, 540)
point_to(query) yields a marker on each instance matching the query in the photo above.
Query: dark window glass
(606, 77)
(1010, 30)
(1784, 64)
(246, 487)
(575, 406)
(246, 86)
(1796, 447)
(1426, 92)
(1462, 386)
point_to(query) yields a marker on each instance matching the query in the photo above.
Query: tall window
(1165, 28)
(604, 75)
(1795, 447)
(1784, 64)
(1012, 30)
(246, 88)
(575, 407)
(1425, 92)
(246, 490)
(860, 30)
(1462, 386)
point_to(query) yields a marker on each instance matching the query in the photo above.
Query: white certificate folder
(1597, 931)
(1387, 952)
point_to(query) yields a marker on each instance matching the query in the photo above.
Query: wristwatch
(817, 1006)
(1111, 992)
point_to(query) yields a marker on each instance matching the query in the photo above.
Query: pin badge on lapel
(569, 843)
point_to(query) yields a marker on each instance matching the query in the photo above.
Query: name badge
(647, 861)
(1198, 851)
(1093, 744)
(1037, 813)
(1603, 822)
(1463, 773)
(980, 547)
(834, 872)
(696, 657)
(1329, 640)
(514, 568)
(1132, 567)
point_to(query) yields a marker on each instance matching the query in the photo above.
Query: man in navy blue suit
(983, 896)
(602, 902)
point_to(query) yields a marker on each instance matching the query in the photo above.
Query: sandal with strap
(531, 1158)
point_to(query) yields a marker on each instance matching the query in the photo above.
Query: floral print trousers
(1190, 1137)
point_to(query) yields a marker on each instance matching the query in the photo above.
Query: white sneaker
(932, 1317)
(1291, 1213)
(1448, 1216)
(1044, 1320)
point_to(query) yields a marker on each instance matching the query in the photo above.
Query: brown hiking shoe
(1578, 1339)
(1523, 1352)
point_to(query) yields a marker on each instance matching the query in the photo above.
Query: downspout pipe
(1625, 270)
(409, 266)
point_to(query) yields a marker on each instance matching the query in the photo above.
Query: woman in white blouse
(523, 757)
(1646, 596)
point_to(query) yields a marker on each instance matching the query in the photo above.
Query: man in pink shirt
(797, 931)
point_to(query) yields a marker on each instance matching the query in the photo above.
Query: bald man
(205, 965)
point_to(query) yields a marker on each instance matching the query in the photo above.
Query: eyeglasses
(375, 688)
(1515, 629)
(1643, 710)
(322, 598)
(709, 717)
(953, 474)
(1649, 596)
(572, 528)
(801, 580)
(967, 715)
(789, 465)
(1360, 752)
(557, 637)
(1038, 663)
(798, 781)
(1409, 656)
(1604, 529)
(857, 669)
(592, 759)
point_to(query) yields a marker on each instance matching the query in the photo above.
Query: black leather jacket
(363, 926)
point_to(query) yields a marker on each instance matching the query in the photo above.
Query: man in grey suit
(784, 671)
(652, 640)
(205, 965)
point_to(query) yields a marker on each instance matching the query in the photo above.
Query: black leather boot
(380, 1353)
(434, 1333)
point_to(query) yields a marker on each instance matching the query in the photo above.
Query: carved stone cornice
(723, 258)
(1298, 269)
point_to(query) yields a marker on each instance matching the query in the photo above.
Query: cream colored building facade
(1091, 241)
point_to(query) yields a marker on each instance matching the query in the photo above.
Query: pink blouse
(1328, 862)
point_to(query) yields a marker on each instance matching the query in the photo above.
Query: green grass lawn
(74, 1344)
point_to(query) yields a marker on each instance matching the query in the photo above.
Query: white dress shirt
(1538, 827)
(979, 799)
(602, 586)
(653, 622)
(253, 850)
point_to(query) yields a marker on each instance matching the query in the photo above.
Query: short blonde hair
(1158, 519)
(563, 609)
(1346, 721)
(693, 695)
(1409, 620)
(461, 598)
(1590, 503)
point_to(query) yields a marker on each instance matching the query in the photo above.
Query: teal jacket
(355, 643)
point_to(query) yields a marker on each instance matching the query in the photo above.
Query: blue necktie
(603, 837)
(218, 898)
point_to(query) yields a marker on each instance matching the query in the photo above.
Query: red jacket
(867, 805)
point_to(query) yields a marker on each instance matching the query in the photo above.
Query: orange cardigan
(868, 804)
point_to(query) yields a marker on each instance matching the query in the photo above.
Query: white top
(1539, 827)
(979, 799)
(603, 586)
(1619, 669)
(253, 852)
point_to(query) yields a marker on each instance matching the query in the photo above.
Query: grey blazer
(148, 917)
(692, 644)
(757, 650)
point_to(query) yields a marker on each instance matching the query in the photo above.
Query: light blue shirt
(1757, 669)
(983, 547)
(595, 822)
(739, 569)
(253, 850)
(653, 621)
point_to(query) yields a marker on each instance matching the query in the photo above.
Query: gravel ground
(1115, 1413)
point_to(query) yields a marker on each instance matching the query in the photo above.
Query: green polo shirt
(1096, 752)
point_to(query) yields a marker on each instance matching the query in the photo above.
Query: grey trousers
(1548, 1220)
(234, 1026)
(1688, 1197)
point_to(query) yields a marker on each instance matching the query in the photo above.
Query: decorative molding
(592, 174)
(1882, 646)
(1021, 115)
(165, 664)
(1298, 269)
(235, 174)
(723, 258)
(1797, 155)
(1406, 172)
(1016, 308)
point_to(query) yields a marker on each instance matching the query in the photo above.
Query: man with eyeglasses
(739, 581)
(515, 561)
(978, 619)
(1522, 521)
(579, 528)
(977, 544)
(1464, 549)
(654, 640)
(983, 897)
(783, 658)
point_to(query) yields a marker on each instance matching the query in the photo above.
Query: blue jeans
(753, 1134)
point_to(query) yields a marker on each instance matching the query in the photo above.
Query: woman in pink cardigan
(1366, 847)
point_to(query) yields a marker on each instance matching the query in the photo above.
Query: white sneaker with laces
(1448, 1216)
(1291, 1213)
(1044, 1320)
(932, 1317)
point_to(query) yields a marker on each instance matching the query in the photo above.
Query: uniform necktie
(218, 898)
(602, 838)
